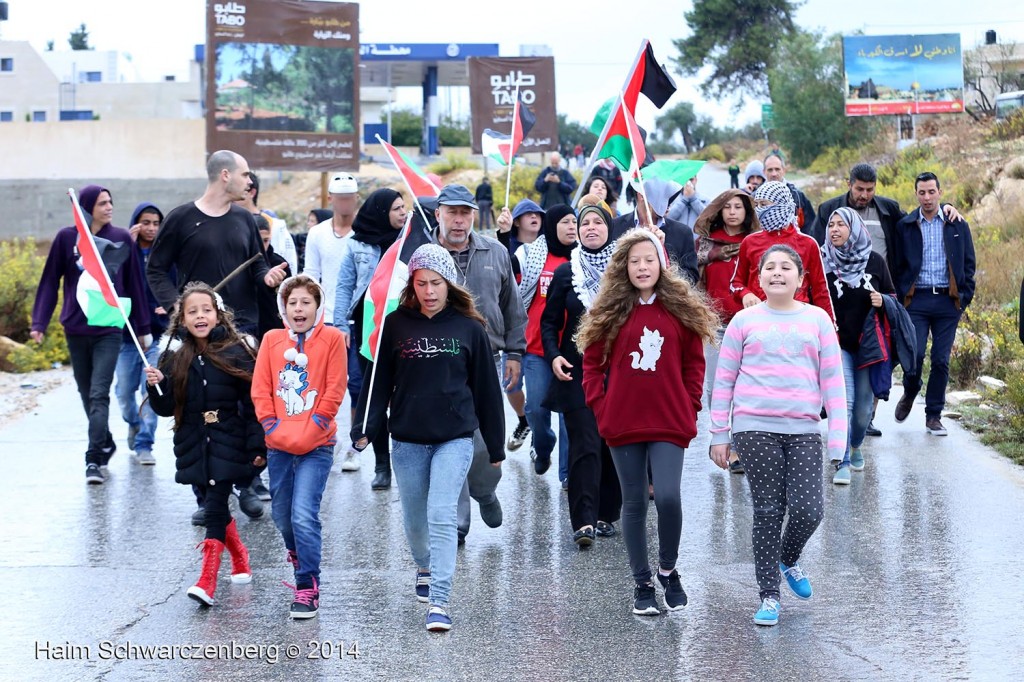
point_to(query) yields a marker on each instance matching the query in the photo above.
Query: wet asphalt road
(917, 571)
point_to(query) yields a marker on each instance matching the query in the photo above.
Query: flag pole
(640, 178)
(412, 193)
(80, 216)
(511, 151)
(380, 329)
(607, 125)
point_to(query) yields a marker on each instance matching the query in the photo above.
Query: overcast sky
(594, 41)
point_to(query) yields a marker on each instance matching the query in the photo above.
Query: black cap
(456, 195)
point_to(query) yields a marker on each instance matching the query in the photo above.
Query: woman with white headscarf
(857, 278)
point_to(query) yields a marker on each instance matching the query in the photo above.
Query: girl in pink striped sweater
(779, 362)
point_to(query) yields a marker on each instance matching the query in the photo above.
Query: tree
(79, 39)
(453, 132)
(679, 119)
(737, 39)
(987, 73)
(571, 133)
(807, 90)
(406, 128)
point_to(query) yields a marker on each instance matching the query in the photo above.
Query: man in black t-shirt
(206, 240)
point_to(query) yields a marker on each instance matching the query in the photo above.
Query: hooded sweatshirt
(158, 323)
(295, 400)
(437, 374)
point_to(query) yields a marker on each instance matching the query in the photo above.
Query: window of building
(39, 117)
(91, 77)
(6, 63)
(6, 116)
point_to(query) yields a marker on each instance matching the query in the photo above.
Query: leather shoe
(249, 503)
(542, 464)
(199, 517)
(903, 407)
(381, 481)
(584, 537)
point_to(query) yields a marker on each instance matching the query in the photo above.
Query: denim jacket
(357, 266)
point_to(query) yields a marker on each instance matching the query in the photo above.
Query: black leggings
(382, 443)
(215, 506)
(666, 461)
(594, 492)
(784, 472)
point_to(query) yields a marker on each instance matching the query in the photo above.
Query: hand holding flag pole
(93, 265)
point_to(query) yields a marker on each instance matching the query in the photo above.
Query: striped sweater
(775, 371)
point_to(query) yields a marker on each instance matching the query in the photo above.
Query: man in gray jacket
(484, 267)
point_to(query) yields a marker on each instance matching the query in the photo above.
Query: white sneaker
(145, 457)
(351, 461)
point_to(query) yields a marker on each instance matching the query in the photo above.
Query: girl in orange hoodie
(297, 389)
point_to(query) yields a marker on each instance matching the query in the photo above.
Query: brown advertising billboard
(282, 83)
(492, 86)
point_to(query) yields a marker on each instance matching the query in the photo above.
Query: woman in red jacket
(719, 230)
(643, 372)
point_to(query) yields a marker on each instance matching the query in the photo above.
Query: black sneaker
(249, 503)
(306, 602)
(736, 467)
(605, 529)
(93, 475)
(872, 430)
(107, 451)
(133, 433)
(491, 513)
(904, 406)
(518, 437)
(542, 464)
(199, 517)
(675, 595)
(260, 490)
(935, 427)
(644, 603)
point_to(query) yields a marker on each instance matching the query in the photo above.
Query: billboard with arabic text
(492, 84)
(282, 83)
(903, 74)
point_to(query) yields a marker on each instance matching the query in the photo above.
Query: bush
(836, 160)
(713, 152)
(1015, 405)
(896, 178)
(452, 163)
(987, 342)
(19, 277)
(1009, 129)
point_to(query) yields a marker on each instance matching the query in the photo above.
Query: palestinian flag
(648, 78)
(503, 148)
(674, 171)
(95, 292)
(638, 152)
(416, 180)
(386, 285)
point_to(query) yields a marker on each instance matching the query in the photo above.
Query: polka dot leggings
(784, 472)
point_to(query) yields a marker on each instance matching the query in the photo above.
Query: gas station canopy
(407, 64)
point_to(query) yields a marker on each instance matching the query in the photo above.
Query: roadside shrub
(713, 152)
(1009, 129)
(896, 178)
(19, 277)
(987, 342)
(1015, 404)
(452, 163)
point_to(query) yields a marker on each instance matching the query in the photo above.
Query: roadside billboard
(492, 86)
(903, 74)
(282, 83)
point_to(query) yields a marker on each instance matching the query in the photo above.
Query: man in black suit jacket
(678, 237)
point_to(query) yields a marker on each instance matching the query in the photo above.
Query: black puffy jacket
(219, 436)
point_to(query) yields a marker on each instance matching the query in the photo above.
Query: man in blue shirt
(933, 272)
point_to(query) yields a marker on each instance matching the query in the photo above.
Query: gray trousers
(483, 477)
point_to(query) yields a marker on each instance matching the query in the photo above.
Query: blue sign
(425, 52)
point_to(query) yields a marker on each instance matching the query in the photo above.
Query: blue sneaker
(842, 475)
(856, 459)
(797, 580)
(423, 586)
(438, 619)
(768, 614)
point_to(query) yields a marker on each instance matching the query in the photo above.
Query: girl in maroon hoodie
(719, 230)
(643, 372)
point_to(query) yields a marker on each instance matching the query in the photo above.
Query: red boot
(240, 572)
(204, 588)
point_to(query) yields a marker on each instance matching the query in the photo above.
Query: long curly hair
(179, 360)
(458, 298)
(617, 298)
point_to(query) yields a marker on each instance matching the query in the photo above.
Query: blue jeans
(130, 379)
(430, 479)
(934, 312)
(297, 485)
(538, 376)
(860, 401)
(355, 372)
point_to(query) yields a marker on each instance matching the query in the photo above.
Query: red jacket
(717, 277)
(746, 279)
(649, 388)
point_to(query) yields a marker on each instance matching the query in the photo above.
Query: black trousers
(594, 491)
(215, 506)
